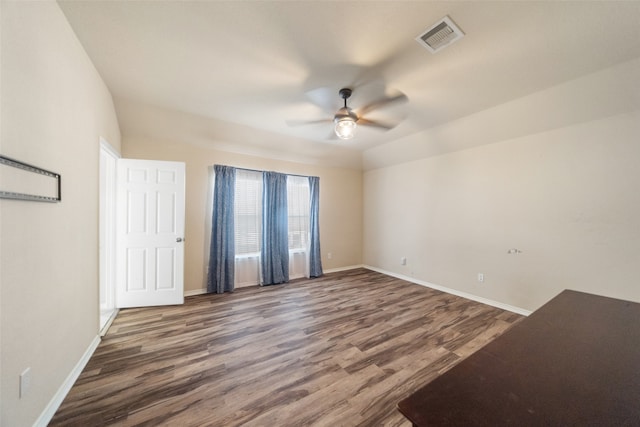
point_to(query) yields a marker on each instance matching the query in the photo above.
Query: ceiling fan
(347, 119)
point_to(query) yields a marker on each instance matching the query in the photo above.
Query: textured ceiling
(241, 71)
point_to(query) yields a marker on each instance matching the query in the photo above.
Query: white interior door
(150, 232)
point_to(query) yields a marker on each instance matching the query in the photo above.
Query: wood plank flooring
(341, 350)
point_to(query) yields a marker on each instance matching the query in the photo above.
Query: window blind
(298, 204)
(248, 212)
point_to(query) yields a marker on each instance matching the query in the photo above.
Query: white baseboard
(472, 297)
(48, 413)
(107, 325)
(193, 292)
(351, 267)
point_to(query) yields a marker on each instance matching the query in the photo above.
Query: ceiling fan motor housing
(345, 113)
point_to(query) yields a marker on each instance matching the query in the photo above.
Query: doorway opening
(107, 238)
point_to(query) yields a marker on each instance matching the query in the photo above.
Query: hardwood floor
(337, 351)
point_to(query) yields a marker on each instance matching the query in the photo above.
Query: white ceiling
(237, 71)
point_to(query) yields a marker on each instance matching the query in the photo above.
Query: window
(298, 212)
(236, 248)
(248, 225)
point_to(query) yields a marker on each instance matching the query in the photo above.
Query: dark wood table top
(573, 362)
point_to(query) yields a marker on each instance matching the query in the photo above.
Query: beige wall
(340, 200)
(55, 107)
(567, 198)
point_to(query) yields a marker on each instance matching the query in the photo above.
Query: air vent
(440, 35)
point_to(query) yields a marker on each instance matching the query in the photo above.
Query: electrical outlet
(403, 261)
(25, 382)
(329, 255)
(480, 277)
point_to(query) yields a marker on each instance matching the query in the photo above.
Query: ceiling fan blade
(325, 98)
(295, 123)
(376, 124)
(395, 99)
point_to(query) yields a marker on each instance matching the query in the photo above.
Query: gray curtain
(220, 277)
(275, 229)
(315, 255)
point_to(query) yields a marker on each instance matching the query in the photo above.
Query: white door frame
(107, 236)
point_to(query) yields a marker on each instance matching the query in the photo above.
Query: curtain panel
(315, 255)
(275, 245)
(220, 277)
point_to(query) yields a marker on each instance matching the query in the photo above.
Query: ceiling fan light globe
(345, 127)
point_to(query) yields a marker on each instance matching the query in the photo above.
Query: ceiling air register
(440, 35)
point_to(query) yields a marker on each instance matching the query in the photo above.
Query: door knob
(179, 239)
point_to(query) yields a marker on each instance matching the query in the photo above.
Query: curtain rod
(256, 170)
